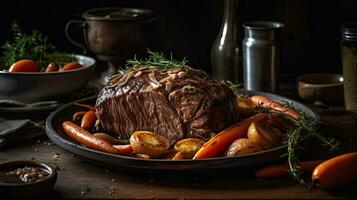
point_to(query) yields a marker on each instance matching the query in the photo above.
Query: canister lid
(349, 31)
(117, 14)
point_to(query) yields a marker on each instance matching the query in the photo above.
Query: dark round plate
(57, 135)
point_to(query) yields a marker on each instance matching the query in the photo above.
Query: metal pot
(116, 34)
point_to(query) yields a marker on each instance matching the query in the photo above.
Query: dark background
(310, 38)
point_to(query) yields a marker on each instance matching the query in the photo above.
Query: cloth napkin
(16, 130)
(12, 131)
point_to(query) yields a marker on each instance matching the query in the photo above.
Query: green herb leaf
(303, 126)
(157, 59)
(234, 87)
(34, 46)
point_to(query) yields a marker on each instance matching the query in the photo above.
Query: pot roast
(176, 102)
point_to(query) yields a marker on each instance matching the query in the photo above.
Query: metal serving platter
(57, 135)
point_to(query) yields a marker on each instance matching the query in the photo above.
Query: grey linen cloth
(12, 131)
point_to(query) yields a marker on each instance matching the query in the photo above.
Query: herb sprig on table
(304, 126)
(158, 59)
(34, 46)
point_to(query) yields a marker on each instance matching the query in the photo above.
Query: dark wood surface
(80, 179)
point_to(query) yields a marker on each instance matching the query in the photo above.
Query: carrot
(110, 138)
(85, 106)
(78, 115)
(125, 149)
(336, 172)
(88, 120)
(87, 139)
(265, 102)
(220, 142)
(281, 170)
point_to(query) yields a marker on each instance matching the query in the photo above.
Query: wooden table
(80, 179)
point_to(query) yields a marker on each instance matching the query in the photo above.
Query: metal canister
(261, 55)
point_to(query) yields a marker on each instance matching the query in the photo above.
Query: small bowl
(30, 87)
(324, 87)
(27, 190)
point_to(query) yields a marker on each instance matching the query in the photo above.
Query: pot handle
(78, 23)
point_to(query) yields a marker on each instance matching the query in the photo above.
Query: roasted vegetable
(245, 106)
(88, 120)
(242, 146)
(24, 65)
(110, 139)
(87, 139)
(189, 146)
(149, 143)
(281, 170)
(220, 142)
(125, 149)
(336, 172)
(265, 102)
(263, 135)
(77, 116)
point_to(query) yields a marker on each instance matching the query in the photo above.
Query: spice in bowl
(23, 175)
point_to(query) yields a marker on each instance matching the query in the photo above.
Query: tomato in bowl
(34, 85)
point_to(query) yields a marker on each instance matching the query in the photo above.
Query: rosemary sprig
(293, 137)
(304, 125)
(158, 59)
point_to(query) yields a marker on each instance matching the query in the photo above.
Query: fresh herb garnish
(158, 59)
(234, 87)
(305, 125)
(34, 46)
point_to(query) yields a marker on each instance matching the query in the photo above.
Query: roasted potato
(242, 146)
(263, 135)
(189, 146)
(149, 143)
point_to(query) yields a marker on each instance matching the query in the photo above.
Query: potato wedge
(189, 146)
(263, 135)
(242, 146)
(149, 143)
(257, 136)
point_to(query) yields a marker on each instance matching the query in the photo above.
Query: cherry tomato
(24, 65)
(52, 67)
(71, 66)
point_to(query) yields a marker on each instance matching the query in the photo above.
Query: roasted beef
(176, 103)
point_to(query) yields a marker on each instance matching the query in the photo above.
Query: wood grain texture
(78, 179)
